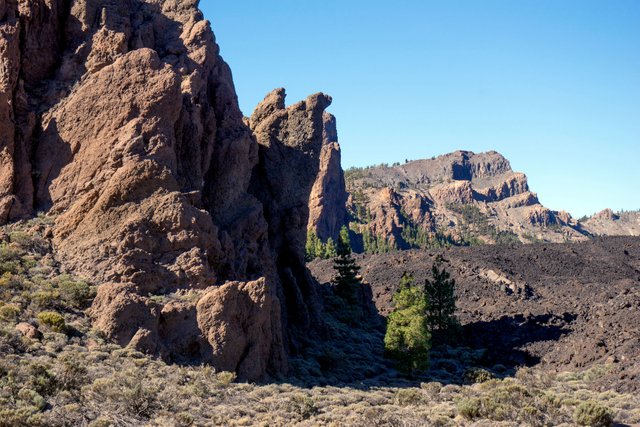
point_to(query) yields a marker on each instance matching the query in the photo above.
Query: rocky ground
(554, 306)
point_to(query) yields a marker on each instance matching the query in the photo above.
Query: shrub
(469, 408)
(593, 414)
(478, 375)
(12, 267)
(28, 242)
(304, 406)
(76, 294)
(409, 397)
(71, 374)
(53, 320)
(45, 298)
(33, 398)
(9, 312)
(225, 378)
(42, 380)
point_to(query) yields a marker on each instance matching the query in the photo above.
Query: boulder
(28, 330)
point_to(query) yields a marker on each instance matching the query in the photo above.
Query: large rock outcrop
(291, 141)
(121, 119)
(464, 196)
(327, 204)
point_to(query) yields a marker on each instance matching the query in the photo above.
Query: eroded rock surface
(327, 204)
(121, 119)
(463, 197)
(291, 141)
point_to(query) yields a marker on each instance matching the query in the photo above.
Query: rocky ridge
(459, 198)
(121, 119)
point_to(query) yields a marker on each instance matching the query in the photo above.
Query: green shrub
(9, 312)
(469, 408)
(10, 281)
(53, 320)
(32, 398)
(76, 294)
(225, 378)
(71, 374)
(593, 414)
(409, 397)
(478, 375)
(46, 298)
(304, 406)
(12, 267)
(42, 380)
(19, 417)
(28, 242)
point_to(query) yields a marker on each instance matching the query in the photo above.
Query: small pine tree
(319, 249)
(440, 293)
(408, 339)
(347, 280)
(330, 249)
(310, 247)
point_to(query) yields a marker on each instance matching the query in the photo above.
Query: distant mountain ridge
(461, 198)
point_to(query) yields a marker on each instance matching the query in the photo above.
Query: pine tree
(310, 247)
(347, 281)
(330, 249)
(408, 340)
(440, 293)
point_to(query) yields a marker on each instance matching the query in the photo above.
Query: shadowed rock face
(121, 118)
(291, 142)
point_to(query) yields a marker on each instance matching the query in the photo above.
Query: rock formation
(290, 145)
(609, 223)
(327, 205)
(455, 196)
(121, 119)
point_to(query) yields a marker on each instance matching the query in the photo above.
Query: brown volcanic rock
(567, 306)
(237, 321)
(291, 141)
(455, 193)
(121, 202)
(508, 186)
(143, 154)
(327, 203)
(459, 186)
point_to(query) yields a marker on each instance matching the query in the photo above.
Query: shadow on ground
(351, 354)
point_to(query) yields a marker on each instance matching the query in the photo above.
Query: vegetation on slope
(66, 374)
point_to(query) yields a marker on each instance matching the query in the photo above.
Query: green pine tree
(408, 340)
(440, 292)
(310, 247)
(347, 281)
(330, 249)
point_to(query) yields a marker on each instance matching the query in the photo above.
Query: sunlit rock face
(121, 118)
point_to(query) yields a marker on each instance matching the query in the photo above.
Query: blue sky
(554, 85)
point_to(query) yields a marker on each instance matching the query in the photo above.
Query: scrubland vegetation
(60, 372)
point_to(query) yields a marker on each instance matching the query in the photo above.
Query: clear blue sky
(554, 85)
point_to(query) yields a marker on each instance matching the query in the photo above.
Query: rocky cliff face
(327, 204)
(608, 223)
(122, 120)
(460, 197)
